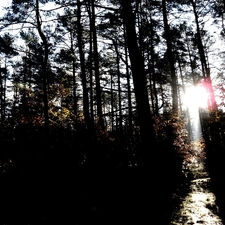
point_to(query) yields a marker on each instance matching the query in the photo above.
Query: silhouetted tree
(138, 73)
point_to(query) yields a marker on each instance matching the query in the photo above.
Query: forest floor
(86, 197)
(199, 205)
(108, 197)
(134, 195)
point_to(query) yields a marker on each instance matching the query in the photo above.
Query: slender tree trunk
(91, 82)
(15, 101)
(152, 77)
(130, 114)
(96, 63)
(82, 64)
(137, 67)
(182, 82)
(223, 14)
(44, 64)
(1, 95)
(191, 64)
(29, 70)
(205, 69)
(199, 41)
(74, 79)
(5, 89)
(88, 6)
(119, 88)
(139, 24)
(182, 86)
(112, 104)
(171, 59)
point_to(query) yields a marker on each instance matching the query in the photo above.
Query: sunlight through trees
(93, 86)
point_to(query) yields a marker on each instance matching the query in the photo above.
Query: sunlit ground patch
(199, 206)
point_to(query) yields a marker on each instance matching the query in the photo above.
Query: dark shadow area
(63, 192)
(214, 128)
(216, 169)
(120, 196)
(83, 178)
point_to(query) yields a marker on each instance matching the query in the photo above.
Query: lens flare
(196, 96)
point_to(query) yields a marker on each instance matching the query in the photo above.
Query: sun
(196, 96)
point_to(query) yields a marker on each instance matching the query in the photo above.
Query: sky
(4, 3)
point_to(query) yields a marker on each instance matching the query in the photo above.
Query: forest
(93, 116)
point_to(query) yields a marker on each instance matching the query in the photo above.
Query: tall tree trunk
(170, 58)
(130, 113)
(182, 82)
(139, 14)
(15, 100)
(137, 67)
(73, 76)
(5, 89)
(112, 103)
(88, 6)
(44, 64)
(1, 95)
(180, 89)
(191, 63)
(96, 63)
(152, 77)
(205, 68)
(199, 42)
(119, 88)
(91, 81)
(82, 64)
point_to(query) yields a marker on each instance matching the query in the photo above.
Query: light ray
(196, 97)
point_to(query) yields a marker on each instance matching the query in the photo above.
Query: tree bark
(1, 97)
(73, 75)
(82, 64)
(171, 59)
(138, 73)
(119, 88)
(88, 6)
(96, 63)
(130, 113)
